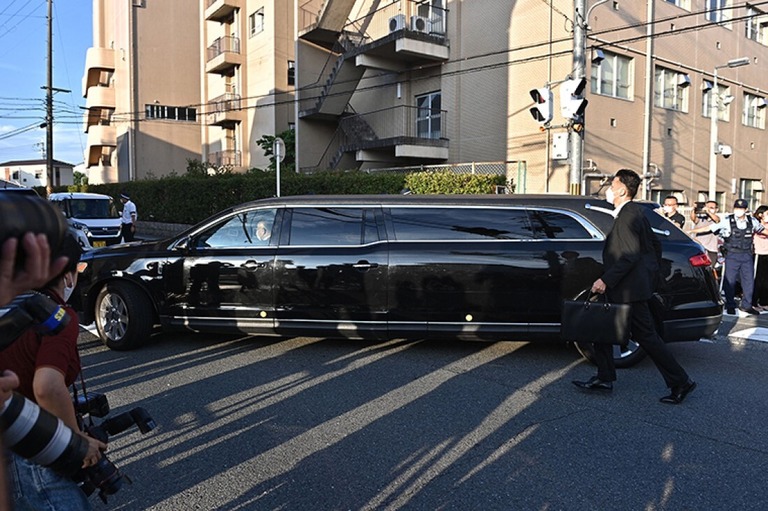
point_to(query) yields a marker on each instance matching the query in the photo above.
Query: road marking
(751, 334)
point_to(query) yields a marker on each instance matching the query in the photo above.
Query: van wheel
(623, 356)
(123, 316)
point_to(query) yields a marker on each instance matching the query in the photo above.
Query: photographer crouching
(46, 365)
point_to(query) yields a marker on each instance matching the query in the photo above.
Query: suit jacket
(631, 257)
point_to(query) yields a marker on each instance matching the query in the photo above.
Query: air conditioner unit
(397, 23)
(420, 24)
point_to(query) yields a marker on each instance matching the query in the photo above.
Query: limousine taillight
(700, 260)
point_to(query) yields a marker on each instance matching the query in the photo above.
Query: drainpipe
(648, 95)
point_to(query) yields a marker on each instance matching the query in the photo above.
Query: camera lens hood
(20, 214)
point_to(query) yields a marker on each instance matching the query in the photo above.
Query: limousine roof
(574, 202)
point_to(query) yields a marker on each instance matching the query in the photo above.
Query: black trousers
(644, 333)
(760, 293)
(127, 232)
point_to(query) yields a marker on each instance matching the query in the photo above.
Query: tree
(79, 179)
(289, 137)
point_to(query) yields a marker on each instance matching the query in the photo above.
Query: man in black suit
(631, 269)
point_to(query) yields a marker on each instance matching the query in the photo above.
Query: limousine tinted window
(554, 225)
(239, 231)
(460, 224)
(333, 226)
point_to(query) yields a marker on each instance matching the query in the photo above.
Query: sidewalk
(744, 327)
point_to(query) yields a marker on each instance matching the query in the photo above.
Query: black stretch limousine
(382, 267)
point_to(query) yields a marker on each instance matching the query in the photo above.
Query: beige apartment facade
(247, 79)
(387, 84)
(142, 89)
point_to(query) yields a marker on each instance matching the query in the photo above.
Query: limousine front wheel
(623, 356)
(123, 316)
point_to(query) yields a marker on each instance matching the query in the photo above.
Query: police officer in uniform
(737, 230)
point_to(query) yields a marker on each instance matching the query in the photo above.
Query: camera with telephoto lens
(20, 214)
(34, 310)
(104, 475)
(35, 434)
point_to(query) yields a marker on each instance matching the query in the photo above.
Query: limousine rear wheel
(623, 356)
(123, 316)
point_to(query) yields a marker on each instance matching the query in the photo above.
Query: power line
(440, 72)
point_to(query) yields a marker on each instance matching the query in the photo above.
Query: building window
(755, 25)
(724, 109)
(716, 10)
(660, 195)
(752, 190)
(703, 196)
(612, 76)
(174, 113)
(428, 115)
(256, 22)
(754, 111)
(671, 90)
(291, 72)
(685, 4)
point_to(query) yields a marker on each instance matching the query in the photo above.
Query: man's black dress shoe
(594, 383)
(678, 394)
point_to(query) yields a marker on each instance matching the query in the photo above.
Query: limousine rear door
(460, 272)
(569, 250)
(331, 273)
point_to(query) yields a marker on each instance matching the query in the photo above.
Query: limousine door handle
(364, 265)
(252, 265)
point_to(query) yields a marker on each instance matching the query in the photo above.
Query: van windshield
(92, 208)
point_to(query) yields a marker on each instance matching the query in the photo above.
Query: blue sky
(23, 48)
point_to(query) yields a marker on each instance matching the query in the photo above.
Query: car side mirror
(183, 243)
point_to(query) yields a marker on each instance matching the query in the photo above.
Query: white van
(92, 218)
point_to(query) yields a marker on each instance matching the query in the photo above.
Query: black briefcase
(595, 320)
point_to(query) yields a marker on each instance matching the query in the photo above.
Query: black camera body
(700, 211)
(104, 475)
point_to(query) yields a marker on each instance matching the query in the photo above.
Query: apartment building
(418, 82)
(169, 81)
(142, 89)
(248, 78)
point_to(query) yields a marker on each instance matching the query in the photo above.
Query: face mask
(739, 212)
(667, 209)
(68, 290)
(609, 196)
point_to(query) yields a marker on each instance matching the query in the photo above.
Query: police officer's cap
(740, 204)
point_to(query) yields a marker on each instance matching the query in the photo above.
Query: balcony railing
(226, 44)
(224, 103)
(224, 109)
(414, 16)
(384, 128)
(228, 157)
(393, 123)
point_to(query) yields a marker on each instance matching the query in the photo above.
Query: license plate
(98, 244)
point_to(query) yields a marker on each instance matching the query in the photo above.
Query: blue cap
(740, 204)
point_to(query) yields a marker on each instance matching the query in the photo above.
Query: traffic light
(572, 105)
(542, 110)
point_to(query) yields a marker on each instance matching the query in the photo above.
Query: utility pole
(49, 90)
(49, 107)
(576, 138)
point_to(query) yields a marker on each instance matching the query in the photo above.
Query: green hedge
(190, 199)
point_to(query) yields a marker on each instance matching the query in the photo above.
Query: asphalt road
(313, 424)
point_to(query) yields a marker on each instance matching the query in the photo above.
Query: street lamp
(714, 109)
